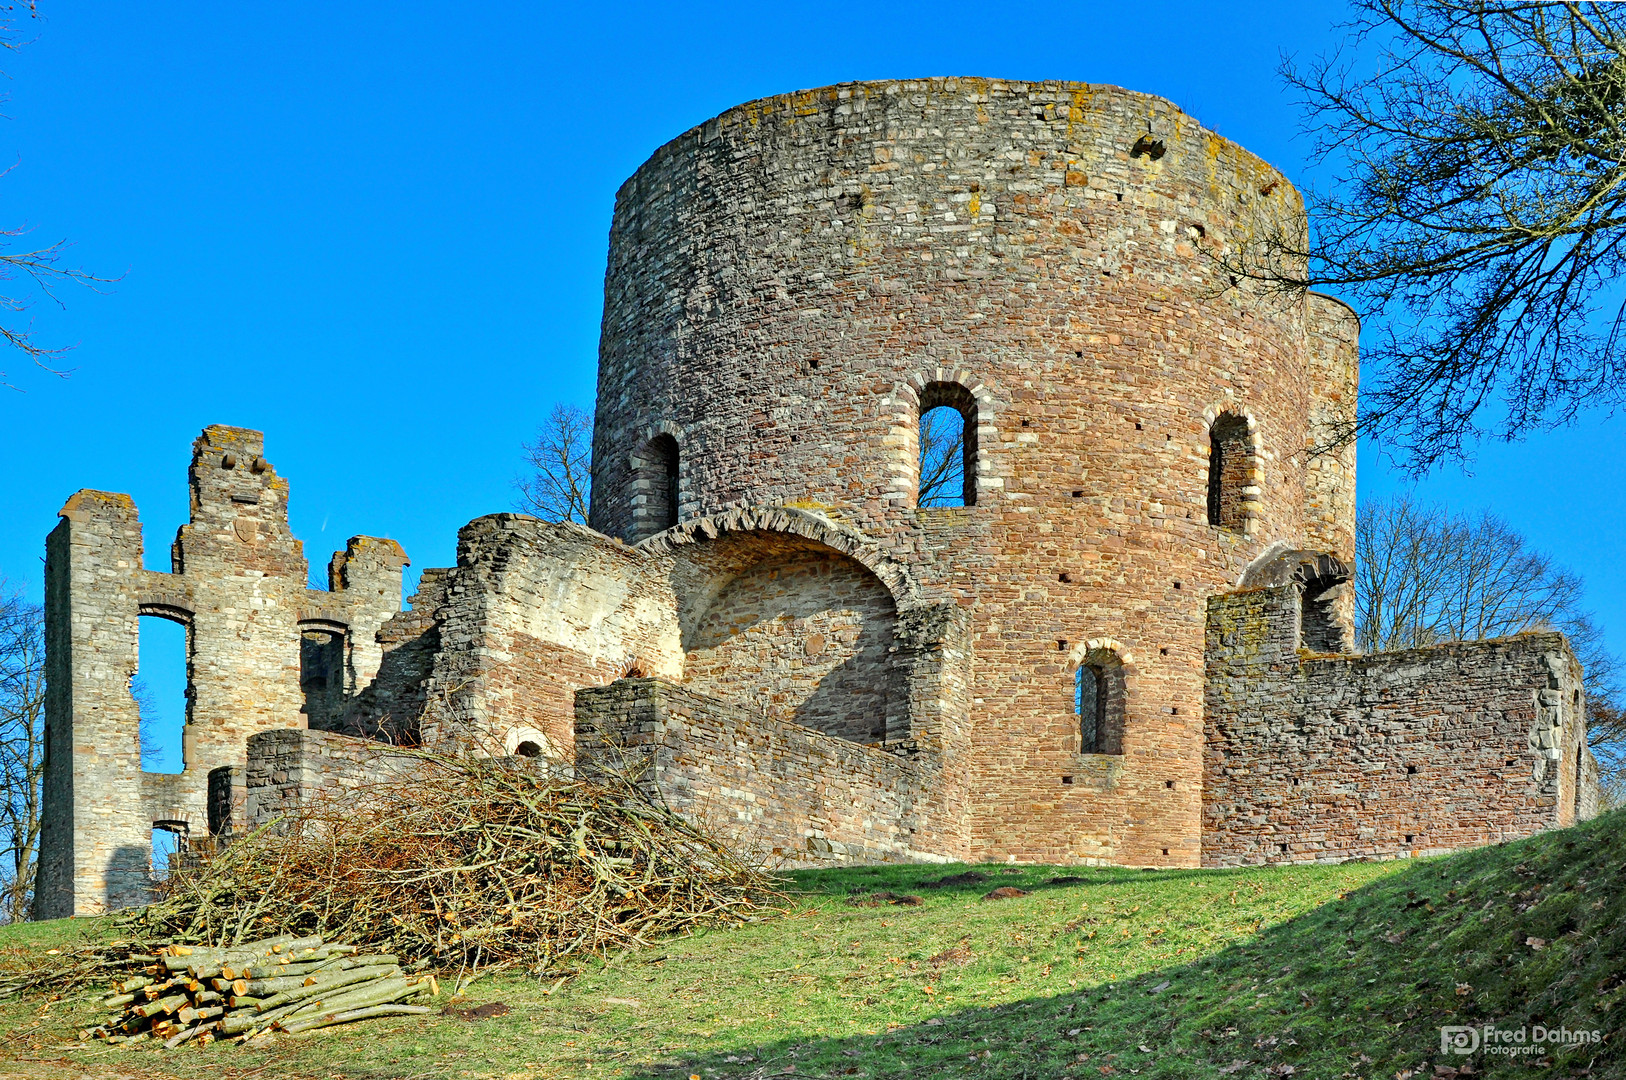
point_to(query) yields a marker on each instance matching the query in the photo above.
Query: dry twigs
(466, 863)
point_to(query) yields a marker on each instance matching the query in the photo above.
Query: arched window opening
(655, 482)
(527, 749)
(168, 845)
(948, 446)
(321, 678)
(1229, 454)
(1098, 702)
(159, 687)
(1320, 628)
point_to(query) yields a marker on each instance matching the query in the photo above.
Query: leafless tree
(1477, 211)
(22, 746)
(942, 458)
(1425, 575)
(560, 482)
(153, 753)
(36, 265)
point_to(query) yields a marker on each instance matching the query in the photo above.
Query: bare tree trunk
(22, 746)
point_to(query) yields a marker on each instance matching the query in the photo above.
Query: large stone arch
(793, 521)
(783, 610)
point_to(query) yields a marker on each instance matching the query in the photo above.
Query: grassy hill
(1314, 971)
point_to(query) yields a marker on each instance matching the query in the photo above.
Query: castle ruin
(1128, 645)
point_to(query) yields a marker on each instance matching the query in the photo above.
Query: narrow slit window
(1099, 699)
(1229, 454)
(656, 486)
(1090, 701)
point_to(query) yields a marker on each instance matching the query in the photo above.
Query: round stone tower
(792, 284)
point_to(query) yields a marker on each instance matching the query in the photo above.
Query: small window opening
(1319, 627)
(1228, 454)
(656, 486)
(1411, 770)
(1284, 849)
(321, 678)
(1098, 702)
(1408, 838)
(527, 749)
(666, 451)
(1169, 784)
(168, 845)
(160, 691)
(1067, 779)
(948, 446)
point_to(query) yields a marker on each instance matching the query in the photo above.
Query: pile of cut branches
(474, 864)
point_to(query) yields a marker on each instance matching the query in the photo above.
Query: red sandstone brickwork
(784, 281)
(533, 612)
(1322, 758)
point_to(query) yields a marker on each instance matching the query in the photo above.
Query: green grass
(1312, 971)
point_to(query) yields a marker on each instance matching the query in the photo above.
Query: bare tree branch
(942, 458)
(559, 485)
(1424, 575)
(1478, 208)
(41, 266)
(22, 747)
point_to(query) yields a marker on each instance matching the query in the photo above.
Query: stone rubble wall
(759, 783)
(391, 707)
(238, 583)
(533, 612)
(291, 768)
(1319, 758)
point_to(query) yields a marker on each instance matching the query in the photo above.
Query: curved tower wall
(787, 280)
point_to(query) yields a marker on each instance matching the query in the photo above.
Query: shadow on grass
(1520, 935)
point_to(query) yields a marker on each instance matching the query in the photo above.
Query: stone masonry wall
(533, 612)
(1321, 758)
(290, 768)
(238, 585)
(788, 281)
(808, 638)
(765, 785)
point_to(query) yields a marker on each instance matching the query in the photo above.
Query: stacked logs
(283, 983)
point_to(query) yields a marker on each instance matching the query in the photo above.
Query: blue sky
(377, 233)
